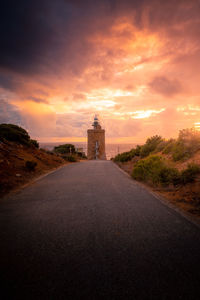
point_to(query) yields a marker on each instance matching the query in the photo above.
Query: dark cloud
(9, 82)
(166, 87)
(10, 114)
(38, 36)
(47, 36)
(38, 100)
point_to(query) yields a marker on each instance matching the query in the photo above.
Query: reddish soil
(13, 171)
(185, 197)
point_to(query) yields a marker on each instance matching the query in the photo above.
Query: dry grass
(185, 197)
(13, 172)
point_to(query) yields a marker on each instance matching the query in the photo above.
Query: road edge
(22, 187)
(192, 219)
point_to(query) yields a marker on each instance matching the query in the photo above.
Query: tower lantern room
(96, 141)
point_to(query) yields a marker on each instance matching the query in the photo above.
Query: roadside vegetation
(170, 166)
(69, 153)
(155, 169)
(180, 149)
(155, 161)
(14, 133)
(22, 159)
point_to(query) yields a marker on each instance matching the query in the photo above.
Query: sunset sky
(135, 63)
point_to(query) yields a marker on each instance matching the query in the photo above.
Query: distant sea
(111, 149)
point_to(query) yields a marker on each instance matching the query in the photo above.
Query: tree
(65, 149)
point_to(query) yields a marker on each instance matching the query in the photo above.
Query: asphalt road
(88, 231)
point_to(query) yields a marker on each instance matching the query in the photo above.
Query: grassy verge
(170, 167)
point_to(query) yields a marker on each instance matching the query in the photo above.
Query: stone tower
(96, 141)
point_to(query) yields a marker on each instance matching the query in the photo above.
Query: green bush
(70, 158)
(191, 139)
(169, 175)
(160, 146)
(150, 145)
(147, 169)
(127, 156)
(180, 151)
(14, 133)
(189, 174)
(30, 165)
(169, 145)
(137, 150)
(50, 152)
(123, 157)
(64, 149)
(187, 144)
(154, 169)
(47, 151)
(34, 143)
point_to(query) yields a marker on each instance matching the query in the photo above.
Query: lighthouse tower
(96, 141)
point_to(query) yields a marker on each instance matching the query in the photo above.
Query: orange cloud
(128, 62)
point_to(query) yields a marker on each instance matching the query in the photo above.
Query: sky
(134, 63)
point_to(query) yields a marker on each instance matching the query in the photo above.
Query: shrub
(169, 175)
(137, 150)
(14, 133)
(180, 151)
(155, 170)
(64, 149)
(169, 146)
(139, 171)
(30, 165)
(123, 157)
(70, 158)
(191, 138)
(43, 150)
(146, 169)
(187, 144)
(160, 146)
(50, 152)
(127, 156)
(150, 145)
(189, 174)
(34, 143)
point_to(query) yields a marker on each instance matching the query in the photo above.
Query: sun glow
(100, 105)
(139, 114)
(197, 126)
(105, 94)
(142, 114)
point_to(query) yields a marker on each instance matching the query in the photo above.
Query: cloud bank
(136, 63)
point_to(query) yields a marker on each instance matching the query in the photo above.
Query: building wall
(93, 136)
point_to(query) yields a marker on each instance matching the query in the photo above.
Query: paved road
(88, 231)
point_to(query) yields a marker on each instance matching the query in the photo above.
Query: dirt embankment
(186, 197)
(14, 171)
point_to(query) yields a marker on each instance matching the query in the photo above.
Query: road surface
(88, 231)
